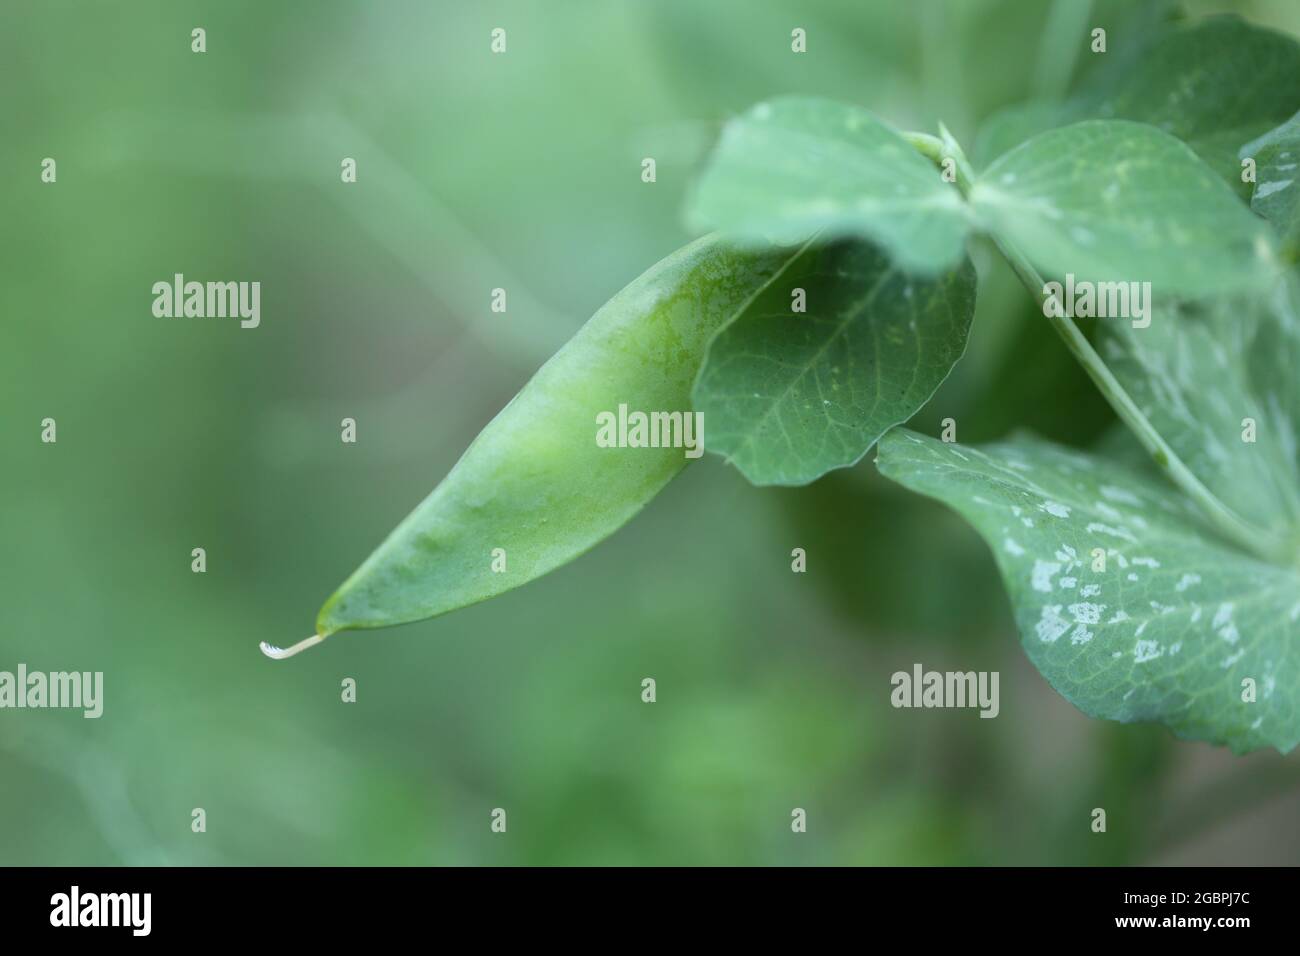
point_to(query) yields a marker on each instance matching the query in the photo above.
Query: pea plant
(835, 293)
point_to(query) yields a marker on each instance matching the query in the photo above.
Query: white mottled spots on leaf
(1223, 623)
(1267, 189)
(1086, 613)
(1222, 615)
(1055, 509)
(1096, 527)
(1186, 581)
(1229, 633)
(1041, 576)
(1051, 625)
(1122, 495)
(1144, 651)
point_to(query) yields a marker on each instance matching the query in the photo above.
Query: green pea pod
(535, 490)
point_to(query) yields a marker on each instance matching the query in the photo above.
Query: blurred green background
(520, 171)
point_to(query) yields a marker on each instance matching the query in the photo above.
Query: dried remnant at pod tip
(280, 653)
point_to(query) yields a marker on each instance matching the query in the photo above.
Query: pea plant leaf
(1276, 196)
(1171, 626)
(793, 167)
(535, 489)
(1213, 84)
(1217, 379)
(1111, 200)
(790, 395)
(1130, 31)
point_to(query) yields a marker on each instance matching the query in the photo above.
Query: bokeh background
(520, 171)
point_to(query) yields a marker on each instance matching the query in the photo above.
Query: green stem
(1223, 518)
(931, 147)
(1228, 523)
(939, 150)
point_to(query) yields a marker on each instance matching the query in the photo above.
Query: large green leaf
(1172, 627)
(1132, 29)
(1110, 200)
(793, 167)
(1276, 196)
(1214, 85)
(534, 483)
(1199, 371)
(789, 396)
